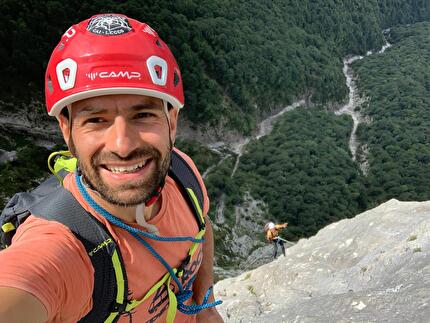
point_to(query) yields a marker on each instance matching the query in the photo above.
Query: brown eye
(94, 120)
(144, 115)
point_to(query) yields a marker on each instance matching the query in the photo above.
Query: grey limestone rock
(374, 267)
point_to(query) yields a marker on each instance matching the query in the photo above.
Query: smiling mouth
(126, 169)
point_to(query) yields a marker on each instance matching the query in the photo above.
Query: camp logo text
(100, 246)
(120, 74)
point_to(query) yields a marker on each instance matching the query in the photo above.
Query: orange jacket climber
(272, 235)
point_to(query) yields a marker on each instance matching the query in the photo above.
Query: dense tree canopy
(242, 60)
(239, 59)
(398, 84)
(303, 171)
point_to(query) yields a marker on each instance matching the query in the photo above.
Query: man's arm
(40, 247)
(281, 226)
(18, 306)
(204, 278)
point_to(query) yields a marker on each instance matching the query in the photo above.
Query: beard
(127, 194)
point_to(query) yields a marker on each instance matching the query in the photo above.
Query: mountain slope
(372, 268)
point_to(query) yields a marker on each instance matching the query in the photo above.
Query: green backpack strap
(53, 202)
(187, 180)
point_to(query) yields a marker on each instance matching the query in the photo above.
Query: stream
(355, 101)
(265, 126)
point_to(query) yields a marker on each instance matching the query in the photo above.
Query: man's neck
(127, 214)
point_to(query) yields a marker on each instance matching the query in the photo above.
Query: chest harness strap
(176, 301)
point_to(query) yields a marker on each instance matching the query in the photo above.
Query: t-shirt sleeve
(199, 178)
(48, 261)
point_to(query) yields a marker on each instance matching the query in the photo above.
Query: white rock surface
(372, 268)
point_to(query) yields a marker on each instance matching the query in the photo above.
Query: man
(272, 235)
(116, 90)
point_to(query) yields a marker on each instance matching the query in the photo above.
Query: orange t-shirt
(46, 260)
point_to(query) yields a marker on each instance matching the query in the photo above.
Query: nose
(121, 137)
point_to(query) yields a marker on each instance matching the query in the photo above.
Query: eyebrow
(145, 106)
(90, 110)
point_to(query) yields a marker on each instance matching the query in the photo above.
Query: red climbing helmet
(111, 54)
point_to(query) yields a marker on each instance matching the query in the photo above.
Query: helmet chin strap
(157, 192)
(140, 219)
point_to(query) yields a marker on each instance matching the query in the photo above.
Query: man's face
(122, 144)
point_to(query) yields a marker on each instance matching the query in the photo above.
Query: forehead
(113, 103)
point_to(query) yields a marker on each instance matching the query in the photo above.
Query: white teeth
(128, 169)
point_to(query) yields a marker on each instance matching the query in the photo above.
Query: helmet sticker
(157, 68)
(70, 32)
(109, 25)
(66, 73)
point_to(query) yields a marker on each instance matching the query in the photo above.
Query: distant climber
(272, 235)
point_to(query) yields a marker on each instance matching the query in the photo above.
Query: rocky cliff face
(372, 268)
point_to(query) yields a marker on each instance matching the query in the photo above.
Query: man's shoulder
(187, 159)
(35, 226)
(193, 167)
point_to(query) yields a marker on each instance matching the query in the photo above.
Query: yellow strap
(153, 289)
(196, 203)
(65, 161)
(195, 245)
(111, 317)
(8, 227)
(119, 275)
(173, 304)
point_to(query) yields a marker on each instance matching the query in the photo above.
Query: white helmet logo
(157, 70)
(66, 73)
(109, 25)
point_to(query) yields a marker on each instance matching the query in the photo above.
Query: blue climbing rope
(184, 293)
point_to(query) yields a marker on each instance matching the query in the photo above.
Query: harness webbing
(184, 294)
(61, 206)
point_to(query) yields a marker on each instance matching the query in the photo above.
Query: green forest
(239, 59)
(304, 172)
(242, 61)
(398, 135)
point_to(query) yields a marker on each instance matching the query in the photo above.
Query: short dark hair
(65, 112)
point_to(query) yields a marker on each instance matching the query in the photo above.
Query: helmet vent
(60, 47)
(158, 43)
(157, 68)
(175, 78)
(49, 84)
(149, 30)
(66, 73)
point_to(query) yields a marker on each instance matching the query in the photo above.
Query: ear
(173, 123)
(65, 128)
